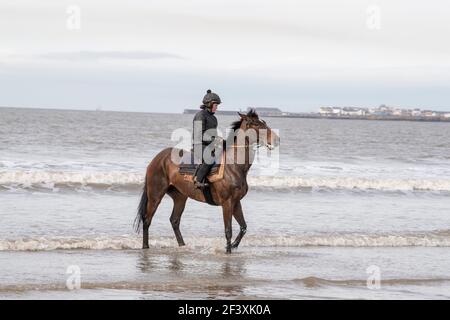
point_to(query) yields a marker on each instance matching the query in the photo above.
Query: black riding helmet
(211, 97)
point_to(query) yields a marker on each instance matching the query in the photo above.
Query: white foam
(350, 183)
(41, 178)
(425, 239)
(125, 179)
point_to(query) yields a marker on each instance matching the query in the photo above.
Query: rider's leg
(203, 171)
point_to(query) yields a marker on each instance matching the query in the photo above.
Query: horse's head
(264, 134)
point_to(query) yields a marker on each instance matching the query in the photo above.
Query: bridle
(258, 145)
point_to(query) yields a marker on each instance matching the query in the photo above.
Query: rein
(246, 146)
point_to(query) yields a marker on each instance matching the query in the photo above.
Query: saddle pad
(189, 169)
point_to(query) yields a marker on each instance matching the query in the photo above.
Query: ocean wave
(349, 183)
(124, 180)
(424, 239)
(193, 285)
(54, 180)
(312, 282)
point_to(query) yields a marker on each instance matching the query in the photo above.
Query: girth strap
(208, 196)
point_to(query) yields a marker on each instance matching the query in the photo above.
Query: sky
(162, 56)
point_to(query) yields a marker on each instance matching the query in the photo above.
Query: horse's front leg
(239, 216)
(228, 208)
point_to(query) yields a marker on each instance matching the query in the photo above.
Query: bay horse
(163, 177)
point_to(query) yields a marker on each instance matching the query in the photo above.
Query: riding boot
(200, 177)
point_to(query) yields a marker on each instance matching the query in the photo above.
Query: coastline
(338, 117)
(232, 113)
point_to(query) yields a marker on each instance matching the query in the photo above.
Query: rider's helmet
(211, 97)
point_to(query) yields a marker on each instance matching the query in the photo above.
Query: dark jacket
(208, 121)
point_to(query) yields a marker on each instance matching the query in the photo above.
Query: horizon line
(190, 108)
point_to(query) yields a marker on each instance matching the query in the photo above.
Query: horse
(163, 177)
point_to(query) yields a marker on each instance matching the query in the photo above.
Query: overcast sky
(147, 55)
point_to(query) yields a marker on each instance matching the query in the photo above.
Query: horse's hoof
(145, 247)
(228, 250)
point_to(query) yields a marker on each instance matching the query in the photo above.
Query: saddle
(191, 168)
(188, 168)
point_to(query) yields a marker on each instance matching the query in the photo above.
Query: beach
(346, 202)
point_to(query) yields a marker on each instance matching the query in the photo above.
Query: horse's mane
(251, 113)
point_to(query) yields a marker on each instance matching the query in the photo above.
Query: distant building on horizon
(335, 111)
(382, 112)
(267, 111)
(352, 111)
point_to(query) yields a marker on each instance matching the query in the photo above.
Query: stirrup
(200, 185)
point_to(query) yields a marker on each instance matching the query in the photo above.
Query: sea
(342, 209)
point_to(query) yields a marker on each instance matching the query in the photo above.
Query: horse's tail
(142, 209)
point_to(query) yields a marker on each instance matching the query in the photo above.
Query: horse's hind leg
(179, 202)
(154, 198)
(239, 216)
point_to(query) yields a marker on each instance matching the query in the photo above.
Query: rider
(208, 122)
